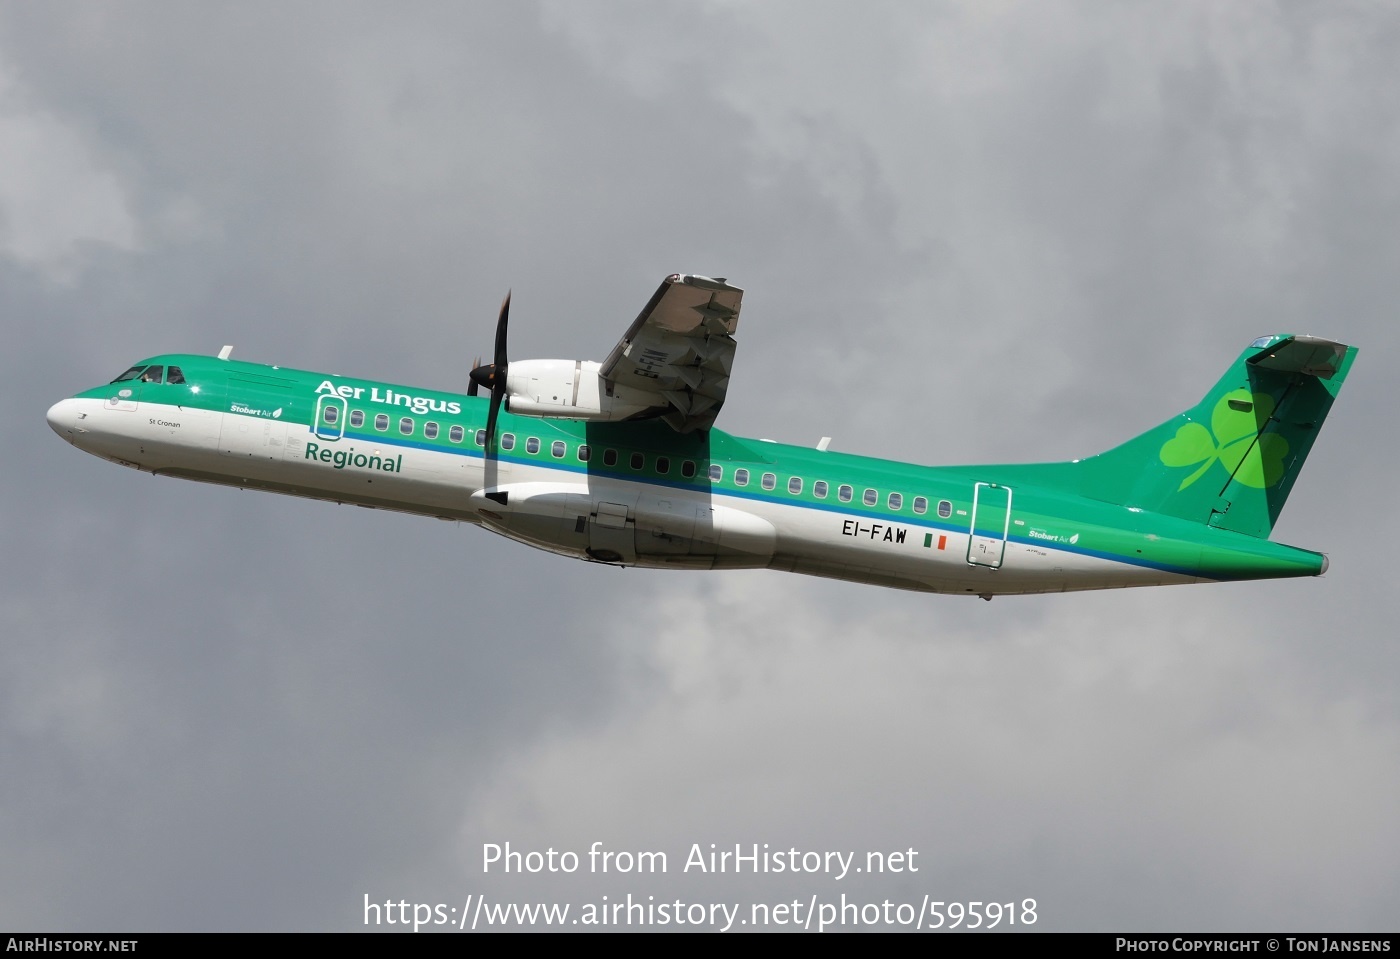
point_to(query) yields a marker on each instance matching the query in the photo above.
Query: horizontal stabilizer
(1311, 355)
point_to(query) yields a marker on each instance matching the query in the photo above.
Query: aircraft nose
(61, 417)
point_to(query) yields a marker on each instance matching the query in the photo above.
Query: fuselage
(641, 494)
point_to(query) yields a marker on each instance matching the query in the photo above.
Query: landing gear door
(991, 522)
(612, 534)
(330, 417)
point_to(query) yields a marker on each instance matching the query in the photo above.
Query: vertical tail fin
(1231, 460)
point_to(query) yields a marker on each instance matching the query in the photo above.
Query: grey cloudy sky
(966, 231)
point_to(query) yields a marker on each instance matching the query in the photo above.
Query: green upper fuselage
(1045, 512)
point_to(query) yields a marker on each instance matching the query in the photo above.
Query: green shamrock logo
(1230, 439)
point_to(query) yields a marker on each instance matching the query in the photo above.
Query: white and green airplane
(619, 462)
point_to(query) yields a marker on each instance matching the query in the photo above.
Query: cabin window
(637, 461)
(795, 485)
(557, 449)
(532, 445)
(405, 425)
(920, 505)
(663, 464)
(769, 481)
(152, 374)
(687, 468)
(609, 457)
(741, 477)
(330, 413)
(895, 501)
(357, 418)
(585, 453)
(480, 437)
(870, 498)
(507, 441)
(430, 430)
(130, 374)
(845, 493)
(173, 375)
(456, 433)
(819, 489)
(381, 422)
(716, 473)
(945, 508)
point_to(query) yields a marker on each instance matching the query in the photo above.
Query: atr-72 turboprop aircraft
(618, 462)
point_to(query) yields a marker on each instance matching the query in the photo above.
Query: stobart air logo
(1230, 440)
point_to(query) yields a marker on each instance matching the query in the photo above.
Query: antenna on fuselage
(224, 353)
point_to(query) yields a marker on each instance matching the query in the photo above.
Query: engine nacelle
(570, 389)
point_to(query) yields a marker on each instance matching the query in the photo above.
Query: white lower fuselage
(562, 507)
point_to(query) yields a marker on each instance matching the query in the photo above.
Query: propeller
(493, 377)
(472, 386)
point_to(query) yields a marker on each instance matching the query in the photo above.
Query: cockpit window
(130, 374)
(174, 375)
(152, 374)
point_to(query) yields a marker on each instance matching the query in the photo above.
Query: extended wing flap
(680, 349)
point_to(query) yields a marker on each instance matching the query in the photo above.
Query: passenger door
(991, 521)
(331, 412)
